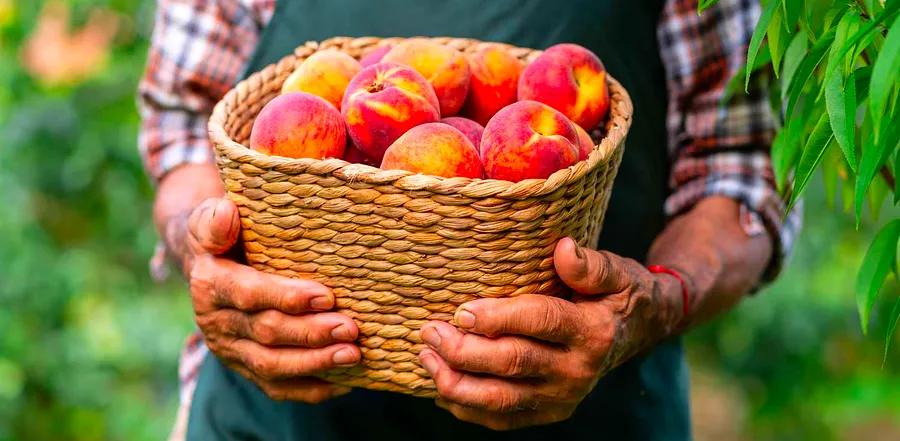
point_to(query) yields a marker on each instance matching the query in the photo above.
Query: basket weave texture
(399, 249)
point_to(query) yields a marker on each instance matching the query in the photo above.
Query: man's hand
(531, 359)
(270, 329)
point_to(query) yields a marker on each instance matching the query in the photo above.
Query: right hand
(271, 329)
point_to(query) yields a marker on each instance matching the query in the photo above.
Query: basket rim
(617, 125)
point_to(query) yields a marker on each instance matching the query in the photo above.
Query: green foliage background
(88, 344)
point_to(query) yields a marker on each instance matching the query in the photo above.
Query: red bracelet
(685, 296)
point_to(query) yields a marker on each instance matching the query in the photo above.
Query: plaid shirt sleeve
(198, 50)
(720, 149)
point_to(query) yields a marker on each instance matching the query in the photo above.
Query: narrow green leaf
(757, 37)
(874, 155)
(792, 9)
(892, 327)
(777, 36)
(896, 176)
(884, 75)
(830, 176)
(812, 155)
(805, 70)
(792, 57)
(878, 191)
(703, 5)
(880, 258)
(841, 105)
(862, 76)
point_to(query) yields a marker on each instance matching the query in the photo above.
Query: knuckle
(518, 360)
(265, 328)
(553, 318)
(264, 367)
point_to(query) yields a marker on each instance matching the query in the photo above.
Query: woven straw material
(399, 249)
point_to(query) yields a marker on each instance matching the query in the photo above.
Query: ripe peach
(495, 79)
(444, 67)
(434, 149)
(528, 139)
(325, 73)
(470, 128)
(571, 79)
(375, 56)
(585, 143)
(299, 125)
(384, 101)
(354, 155)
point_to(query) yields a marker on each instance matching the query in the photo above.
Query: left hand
(531, 359)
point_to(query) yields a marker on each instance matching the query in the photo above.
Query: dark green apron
(645, 399)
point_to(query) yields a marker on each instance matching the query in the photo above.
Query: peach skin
(325, 73)
(585, 143)
(445, 69)
(299, 125)
(528, 139)
(494, 82)
(354, 155)
(470, 128)
(384, 101)
(375, 56)
(570, 79)
(435, 149)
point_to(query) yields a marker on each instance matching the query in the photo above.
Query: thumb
(214, 226)
(588, 271)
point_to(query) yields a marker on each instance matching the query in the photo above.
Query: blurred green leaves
(851, 99)
(88, 344)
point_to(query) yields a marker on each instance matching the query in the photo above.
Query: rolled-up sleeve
(198, 50)
(720, 148)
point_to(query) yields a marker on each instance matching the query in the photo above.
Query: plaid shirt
(200, 47)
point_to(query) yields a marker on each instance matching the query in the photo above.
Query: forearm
(179, 192)
(718, 260)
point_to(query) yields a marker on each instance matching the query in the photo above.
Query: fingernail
(465, 319)
(220, 206)
(432, 337)
(322, 303)
(344, 357)
(341, 333)
(428, 362)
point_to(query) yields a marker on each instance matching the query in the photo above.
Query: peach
(585, 143)
(494, 82)
(384, 101)
(354, 155)
(470, 128)
(445, 69)
(375, 56)
(435, 149)
(528, 139)
(325, 73)
(299, 125)
(571, 79)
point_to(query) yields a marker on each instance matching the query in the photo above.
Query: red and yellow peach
(528, 139)
(435, 149)
(494, 82)
(445, 69)
(325, 73)
(299, 125)
(382, 102)
(571, 79)
(470, 128)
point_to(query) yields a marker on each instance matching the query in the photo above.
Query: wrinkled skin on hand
(273, 330)
(530, 360)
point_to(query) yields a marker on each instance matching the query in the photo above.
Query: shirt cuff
(744, 177)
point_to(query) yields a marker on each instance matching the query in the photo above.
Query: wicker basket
(399, 249)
